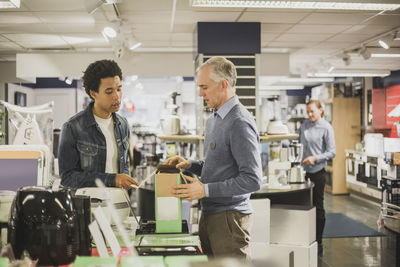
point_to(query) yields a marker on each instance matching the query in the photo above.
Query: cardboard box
(281, 255)
(168, 208)
(293, 225)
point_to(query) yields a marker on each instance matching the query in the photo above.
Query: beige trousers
(226, 234)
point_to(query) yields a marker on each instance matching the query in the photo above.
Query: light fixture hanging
(384, 42)
(10, 3)
(93, 5)
(346, 59)
(365, 53)
(68, 80)
(109, 32)
(397, 36)
(133, 44)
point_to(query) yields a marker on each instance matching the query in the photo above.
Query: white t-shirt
(107, 127)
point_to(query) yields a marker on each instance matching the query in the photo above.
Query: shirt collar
(227, 106)
(90, 121)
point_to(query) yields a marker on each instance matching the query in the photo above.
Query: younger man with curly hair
(94, 143)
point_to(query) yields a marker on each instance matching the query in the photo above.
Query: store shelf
(277, 137)
(181, 138)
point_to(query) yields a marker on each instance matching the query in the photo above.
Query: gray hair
(221, 69)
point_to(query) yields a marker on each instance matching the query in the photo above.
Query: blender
(296, 172)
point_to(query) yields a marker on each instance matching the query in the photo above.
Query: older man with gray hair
(231, 169)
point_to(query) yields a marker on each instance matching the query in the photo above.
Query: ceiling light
(68, 80)
(92, 5)
(306, 80)
(346, 59)
(351, 73)
(109, 32)
(365, 53)
(384, 42)
(397, 36)
(361, 5)
(10, 3)
(133, 44)
(385, 55)
(282, 87)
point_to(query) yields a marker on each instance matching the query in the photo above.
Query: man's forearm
(78, 179)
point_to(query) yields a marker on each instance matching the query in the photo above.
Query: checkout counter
(287, 226)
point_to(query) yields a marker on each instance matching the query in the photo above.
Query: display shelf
(181, 138)
(277, 137)
(197, 138)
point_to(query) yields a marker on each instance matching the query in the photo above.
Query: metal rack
(391, 218)
(246, 85)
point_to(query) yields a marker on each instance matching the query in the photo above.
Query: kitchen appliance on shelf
(277, 127)
(43, 222)
(83, 215)
(278, 174)
(171, 125)
(6, 199)
(296, 173)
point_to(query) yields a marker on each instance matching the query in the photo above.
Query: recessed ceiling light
(361, 5)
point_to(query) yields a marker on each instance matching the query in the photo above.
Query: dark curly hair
(98, 70)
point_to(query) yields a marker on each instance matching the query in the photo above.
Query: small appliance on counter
(167, 245)
(171, 125)
(6, 199)
(43, 222)
(277, 127)
(296, 173)
(119, 198)
(82, 208)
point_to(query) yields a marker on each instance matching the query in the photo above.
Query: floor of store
(359, 251)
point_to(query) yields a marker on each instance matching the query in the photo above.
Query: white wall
(64, 103)
(8, 73)
(73, 64)
(275, 64)
(64, 100)
(30, 94)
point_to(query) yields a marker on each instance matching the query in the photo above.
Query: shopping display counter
(297, 194)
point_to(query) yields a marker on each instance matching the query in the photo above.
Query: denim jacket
(82, 150)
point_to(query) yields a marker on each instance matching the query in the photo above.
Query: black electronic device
(43, 222)
(148, 227)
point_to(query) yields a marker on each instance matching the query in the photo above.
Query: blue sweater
(318, 140)
(232, 166)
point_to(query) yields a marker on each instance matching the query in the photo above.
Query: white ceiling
(312, 37)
